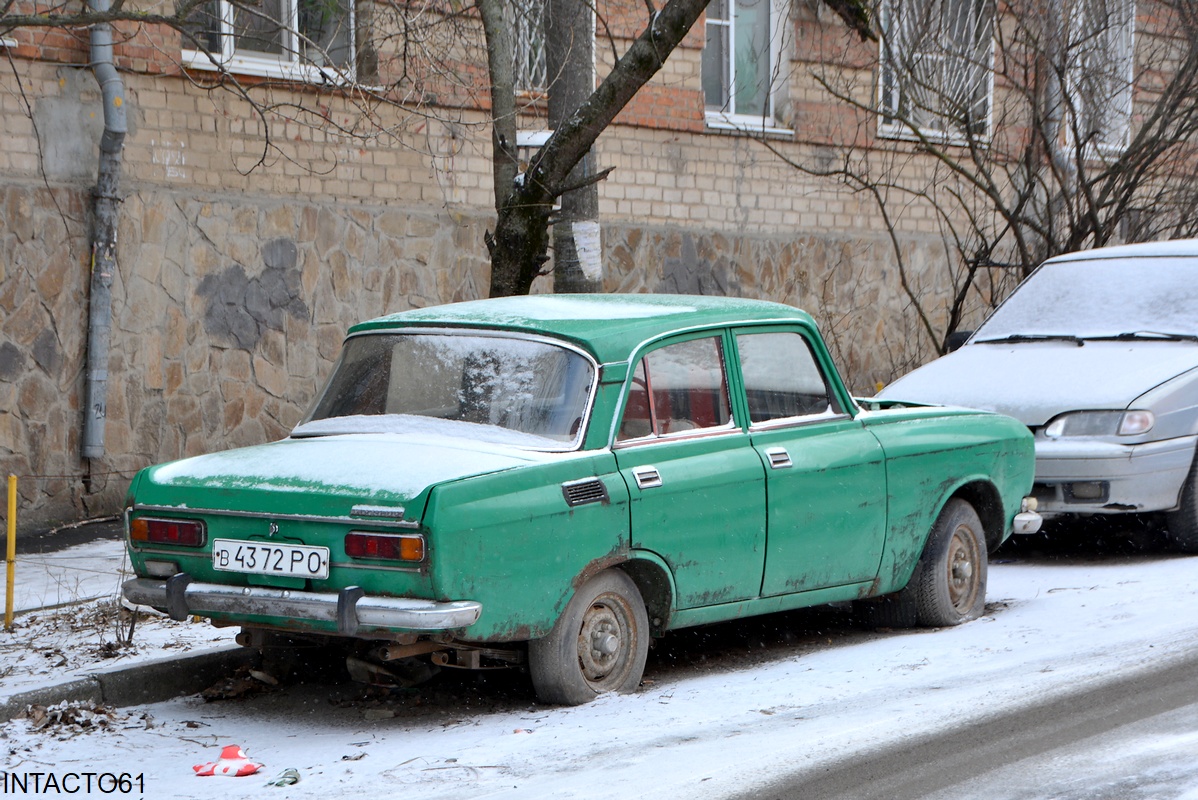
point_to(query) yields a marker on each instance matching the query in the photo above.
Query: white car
(1097, 353)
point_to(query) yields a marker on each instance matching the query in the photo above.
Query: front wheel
(598, 645)
(950, 580)
(949, 583)
(1183, 523)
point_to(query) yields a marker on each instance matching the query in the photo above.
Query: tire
(1182, 524)
(948, 586)
(598, 645)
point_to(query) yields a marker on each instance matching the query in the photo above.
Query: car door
(825, 473)
(696, 486)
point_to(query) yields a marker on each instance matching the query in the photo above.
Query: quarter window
(782, 378)
(302, 39)
(936, 68)
(678, 388)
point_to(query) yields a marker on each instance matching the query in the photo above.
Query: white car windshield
(1130, 297)
(493, 388)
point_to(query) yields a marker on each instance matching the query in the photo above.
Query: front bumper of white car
(1082, 475)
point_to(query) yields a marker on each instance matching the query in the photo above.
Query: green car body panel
(711, 525)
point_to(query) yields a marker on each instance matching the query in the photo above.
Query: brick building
(251, 237)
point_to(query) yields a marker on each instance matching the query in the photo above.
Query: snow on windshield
(1103, 297)
(500, 384)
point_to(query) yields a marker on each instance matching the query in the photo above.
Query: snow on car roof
(610, 325)
(1173, 247)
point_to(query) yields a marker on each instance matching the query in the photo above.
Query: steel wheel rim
(604, 654)
(963, 567)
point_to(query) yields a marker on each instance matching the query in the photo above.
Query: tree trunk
(519, 244)
(570, 57)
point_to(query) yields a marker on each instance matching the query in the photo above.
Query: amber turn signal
(384, 546)
(183, 532)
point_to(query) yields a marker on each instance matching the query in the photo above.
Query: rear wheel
(598, 645)
(1183, 523)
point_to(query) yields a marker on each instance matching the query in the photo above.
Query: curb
(146, 682)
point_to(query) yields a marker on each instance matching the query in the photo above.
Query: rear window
(505, 389)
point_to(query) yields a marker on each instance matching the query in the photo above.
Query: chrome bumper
(351, 609)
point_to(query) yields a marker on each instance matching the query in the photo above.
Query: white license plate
(269, 558)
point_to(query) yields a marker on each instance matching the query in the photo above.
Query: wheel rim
(604, 652)
(964, 573)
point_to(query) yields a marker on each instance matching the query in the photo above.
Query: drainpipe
(103, 245)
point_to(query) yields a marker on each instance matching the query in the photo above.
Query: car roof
(610, 326)
(1171, 248)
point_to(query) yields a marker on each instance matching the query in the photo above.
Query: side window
(678, 388)
(782, 378)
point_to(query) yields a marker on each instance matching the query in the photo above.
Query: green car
(550, 481)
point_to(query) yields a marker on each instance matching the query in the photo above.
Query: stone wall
(228, 312)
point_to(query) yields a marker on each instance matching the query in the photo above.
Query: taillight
(384, 546)
(183, 532)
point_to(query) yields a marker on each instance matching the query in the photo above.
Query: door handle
(647, 477)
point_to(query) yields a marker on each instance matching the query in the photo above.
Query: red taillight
(183, 532)
(384, 546)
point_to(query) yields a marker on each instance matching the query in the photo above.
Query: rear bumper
(352, 611)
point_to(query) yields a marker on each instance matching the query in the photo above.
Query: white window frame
(268, 65)
(1117, 48)
(720, 119)
(891, 83)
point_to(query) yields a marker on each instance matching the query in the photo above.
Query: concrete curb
(144, 682)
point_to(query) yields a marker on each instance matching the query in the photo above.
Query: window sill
(736, 123)
(951, 139)
(6, 42)
(267, 68)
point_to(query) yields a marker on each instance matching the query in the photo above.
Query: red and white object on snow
(233, 763)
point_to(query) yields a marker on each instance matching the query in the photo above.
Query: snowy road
(1053, 627)
(1131, 739)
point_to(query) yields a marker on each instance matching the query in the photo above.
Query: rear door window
(678, 388)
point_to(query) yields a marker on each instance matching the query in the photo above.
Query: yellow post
(12, 551)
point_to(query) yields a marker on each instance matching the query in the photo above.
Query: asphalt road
(1132, 739)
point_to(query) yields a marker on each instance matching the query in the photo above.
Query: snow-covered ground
(69, 621)
(1052, 627)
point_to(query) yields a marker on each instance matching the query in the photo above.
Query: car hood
(1035, 381)
(325, 476)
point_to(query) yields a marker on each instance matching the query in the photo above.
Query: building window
(740, 58)
(936, 77)
(302, 39)
(527, 19)
(1101, 70)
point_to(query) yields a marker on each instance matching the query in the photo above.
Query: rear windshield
(493, 388)
(1103, 297)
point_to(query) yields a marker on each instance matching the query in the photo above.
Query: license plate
(269, 558)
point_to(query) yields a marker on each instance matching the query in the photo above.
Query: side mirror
(955, 340)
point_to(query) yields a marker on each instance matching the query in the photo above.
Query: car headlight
(1101, 423)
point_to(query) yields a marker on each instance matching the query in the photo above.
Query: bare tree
(1022, 130)
(524, 201)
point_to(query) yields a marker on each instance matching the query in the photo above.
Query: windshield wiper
(1034, 337)
(1151, 336)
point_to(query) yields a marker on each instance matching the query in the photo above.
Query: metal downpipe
(105, 206)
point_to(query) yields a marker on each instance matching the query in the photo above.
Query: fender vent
(587, 490)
